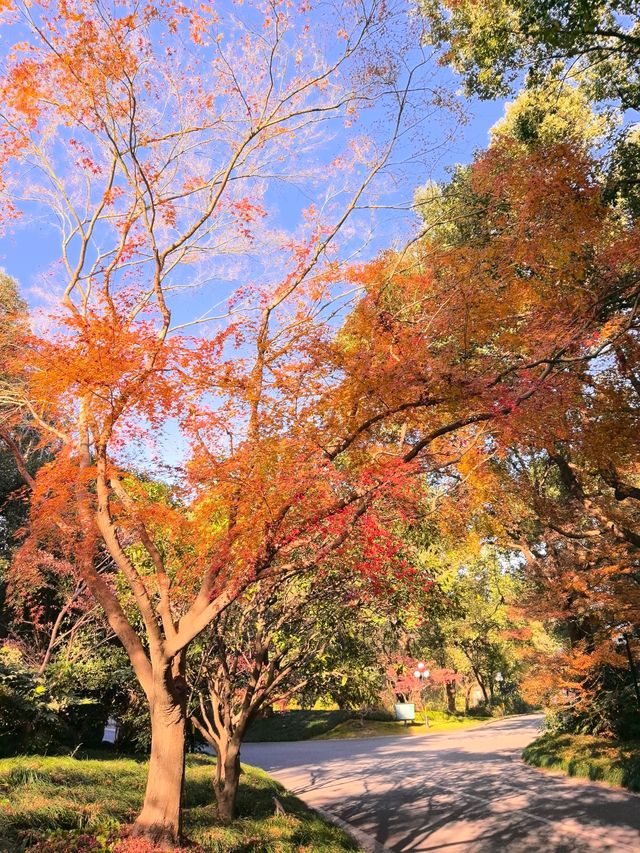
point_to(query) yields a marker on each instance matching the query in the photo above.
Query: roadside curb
(366, 842)
(559, 773)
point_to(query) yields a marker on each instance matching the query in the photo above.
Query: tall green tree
(491, 43)
(479, 633)
(551, 46)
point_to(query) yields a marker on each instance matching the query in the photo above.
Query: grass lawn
(295, 725)
(57, 801)
(595, 758)
(330, 725)
(439, 721)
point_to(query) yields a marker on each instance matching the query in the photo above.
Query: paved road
(462, 792)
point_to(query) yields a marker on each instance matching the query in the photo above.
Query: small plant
(25, 776)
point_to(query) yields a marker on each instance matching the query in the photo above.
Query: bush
(610, 711)
(517, 705)
(28, 719)
(485, 709)
(50, 713)
(379, 714)
(295, 725)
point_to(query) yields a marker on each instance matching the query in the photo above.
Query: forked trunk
(226, 787)
(160, 819)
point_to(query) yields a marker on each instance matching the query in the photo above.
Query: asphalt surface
(461, 792)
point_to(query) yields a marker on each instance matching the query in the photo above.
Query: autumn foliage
(301, 417)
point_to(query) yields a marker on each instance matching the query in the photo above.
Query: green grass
(295, 725)
(439, 721)
(595, 758)
(331, 725)
(61, 797)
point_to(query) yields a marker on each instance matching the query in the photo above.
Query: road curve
(461, 792)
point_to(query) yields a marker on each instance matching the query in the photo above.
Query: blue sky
(30, 251)
(31, 246)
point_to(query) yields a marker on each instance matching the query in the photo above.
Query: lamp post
(622, 642)
(499, 680)
(422, 674)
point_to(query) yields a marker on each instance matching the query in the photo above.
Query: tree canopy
(491, 43)
(483, 374)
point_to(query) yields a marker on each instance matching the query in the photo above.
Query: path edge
(366, 842)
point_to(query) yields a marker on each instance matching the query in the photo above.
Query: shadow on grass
(256, 828)
(66, 798)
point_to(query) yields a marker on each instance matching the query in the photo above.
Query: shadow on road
(469, 792)
(476, 794)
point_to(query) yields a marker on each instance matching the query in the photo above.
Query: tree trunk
(226, 788)
(160, 818)
(451, 696)
(481, 685)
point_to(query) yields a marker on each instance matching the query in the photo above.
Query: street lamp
(622, 642)
(499, 680)
(422, 674)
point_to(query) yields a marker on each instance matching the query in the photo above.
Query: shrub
(66, 707)
(377, 713)
(608, 712)
(595, 758)
(485, 709)
(28, 719)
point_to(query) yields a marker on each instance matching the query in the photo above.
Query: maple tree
(309, 411)
(562, 489)
(406, 686)
(281, 640)
(575, 519)
(260, 650)
(156, 160)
